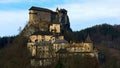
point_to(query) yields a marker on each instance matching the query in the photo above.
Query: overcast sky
(82, 13)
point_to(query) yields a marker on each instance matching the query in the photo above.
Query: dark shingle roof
(42, 33)
(60, 41)
(40, 9)
(43, 43)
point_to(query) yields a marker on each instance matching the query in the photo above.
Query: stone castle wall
(39, 16)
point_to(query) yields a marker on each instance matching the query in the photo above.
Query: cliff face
(41, 18)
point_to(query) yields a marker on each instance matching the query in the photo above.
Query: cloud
(11, 20)
(91, 12)
(18, 1)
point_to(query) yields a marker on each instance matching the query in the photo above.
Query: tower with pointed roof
(88, 39)
(88, 44)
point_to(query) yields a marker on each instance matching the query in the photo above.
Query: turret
(89, 44)
(88, 39)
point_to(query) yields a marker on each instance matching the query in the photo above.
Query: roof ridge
(40, 9)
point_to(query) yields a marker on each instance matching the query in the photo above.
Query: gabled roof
(40, 9)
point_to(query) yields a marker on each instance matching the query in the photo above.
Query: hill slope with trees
(100, 34)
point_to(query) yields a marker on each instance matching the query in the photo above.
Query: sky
(14, 14)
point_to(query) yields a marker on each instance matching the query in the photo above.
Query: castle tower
(37, 14)
(88, 44)
(88, 39)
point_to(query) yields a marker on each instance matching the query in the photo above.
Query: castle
(41, 18)
(47, 44)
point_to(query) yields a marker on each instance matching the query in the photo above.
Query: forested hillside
(100, 34)
(6, 40)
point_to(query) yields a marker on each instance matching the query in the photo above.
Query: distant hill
(100, 34)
